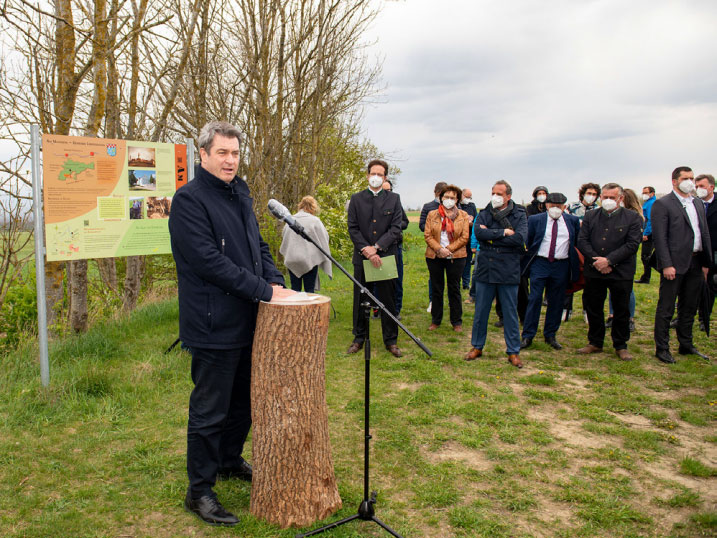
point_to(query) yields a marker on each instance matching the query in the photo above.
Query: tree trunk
(132, 282)
(78, 295)
(293, 482)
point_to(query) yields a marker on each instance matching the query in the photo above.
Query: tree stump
(293, 481)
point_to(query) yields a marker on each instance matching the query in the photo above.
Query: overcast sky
(544, 92)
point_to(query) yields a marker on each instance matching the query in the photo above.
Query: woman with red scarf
(446, 235)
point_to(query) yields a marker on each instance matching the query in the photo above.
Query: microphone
(280, 212)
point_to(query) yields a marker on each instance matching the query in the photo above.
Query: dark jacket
(374, 220)
(673, 237)
(535, 208)
(537, 225)
(224, 268)
(712, 227)
(499, 255)
(473, 212)
(404, 224)
(427, 208)
(616, 236)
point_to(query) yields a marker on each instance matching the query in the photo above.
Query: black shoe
(552, 342)
(243, 472)
(702, 327)
(692, 351)
(673, 323)
(498, 323)
(665, 356)
(608, 322)
(632, 325)
(210, 510)
(525, 342)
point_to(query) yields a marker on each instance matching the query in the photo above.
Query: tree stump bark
(293, 481)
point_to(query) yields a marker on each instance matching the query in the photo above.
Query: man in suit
(552, 237)
(705, 184)
(374, 223)
(684, 257)
(425, 210)
(501, 229)
(609, 239)
(648, 197)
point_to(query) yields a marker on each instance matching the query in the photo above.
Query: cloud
(551, 92)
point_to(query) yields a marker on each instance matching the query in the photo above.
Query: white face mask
(702, 193)
(541, 198)
(449, 203)
(589, 199)
(687, 186)
(645, 197)
(375, 181)
(554, 212)
(496, 201)
(467, 201)
(609, 205)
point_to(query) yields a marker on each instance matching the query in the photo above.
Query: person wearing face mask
(466, 204)
(425, 210)
(374, 223)
(609, 239)
(540, 194)
(446, 236)
(588, 195)
(648, 198)
(388, 185)
(683, 250)
(501, 229)
(705, 191)
(554, 262)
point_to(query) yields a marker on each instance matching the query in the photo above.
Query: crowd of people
(541, 254)
(523, 256)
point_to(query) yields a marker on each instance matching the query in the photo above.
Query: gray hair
(610, 186)
(508, 188)
(213, 128)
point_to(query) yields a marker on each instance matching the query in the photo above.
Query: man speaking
(224, 268)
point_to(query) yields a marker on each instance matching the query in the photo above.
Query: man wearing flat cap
(552, 263)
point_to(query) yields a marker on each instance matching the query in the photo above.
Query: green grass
(567, 446)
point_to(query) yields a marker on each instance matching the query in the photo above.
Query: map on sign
(106, 198)
(72, 169)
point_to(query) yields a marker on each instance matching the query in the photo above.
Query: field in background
(567, 446)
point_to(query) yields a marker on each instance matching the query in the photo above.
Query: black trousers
(647, 248)
(709, 300)
(219, 414)
(523, 295)
(452, 270)
(688, 287)
(386, 293)
(594, 296)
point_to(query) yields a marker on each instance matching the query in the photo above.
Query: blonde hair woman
(301, 258)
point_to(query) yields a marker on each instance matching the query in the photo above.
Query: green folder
(387, 270)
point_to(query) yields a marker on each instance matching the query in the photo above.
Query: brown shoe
(458, 328)
(354, 347)
(589, 349)
(514, 359)
(623, 354)
(432, 327)
(394, 350)
(473, 354)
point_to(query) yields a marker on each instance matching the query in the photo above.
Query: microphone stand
(366, 511)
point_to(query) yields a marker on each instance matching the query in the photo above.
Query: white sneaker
(585, 316)
(429, 307)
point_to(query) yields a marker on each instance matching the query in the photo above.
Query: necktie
(553, 240)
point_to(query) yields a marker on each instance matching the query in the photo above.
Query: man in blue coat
(224, 269)
(648, 197)
(501, 229)
(552, 237)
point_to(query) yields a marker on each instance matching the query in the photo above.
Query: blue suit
(553, 277)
